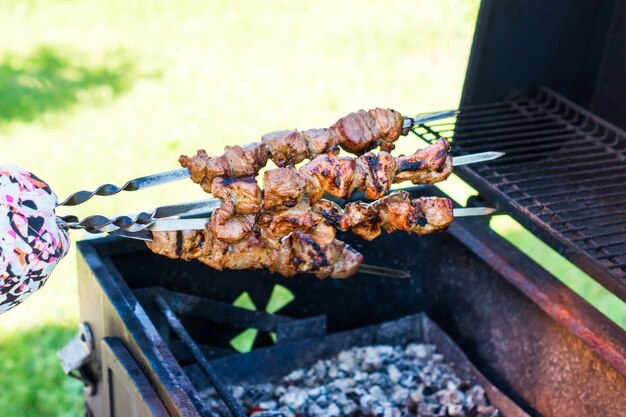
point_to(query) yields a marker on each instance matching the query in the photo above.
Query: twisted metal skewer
(136, 184)
(82, 196)
(139, 221)
(98, 223)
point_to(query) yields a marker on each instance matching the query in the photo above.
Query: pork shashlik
(302, 238)
(395, 211)
(355, 133)
(288, 227)
(328, 173)
(296, 252)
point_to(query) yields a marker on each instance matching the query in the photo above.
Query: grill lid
(563, 175)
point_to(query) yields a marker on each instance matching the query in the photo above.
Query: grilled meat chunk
(362, 131)
(426, 166)
(321, 141)
(295, 253)
(300, 252)
(363, 220)
(389, 123)
(438, 211)
(283, 188)
(249, 253)
(282, 222)
(347, 263)
(330, 174)
(286, 147)
(243, 193)
(375, 173)
(235, 162)
(397, 212)
(183, 244)
(228, 226)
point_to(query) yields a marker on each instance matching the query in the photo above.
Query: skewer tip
(384, 272)
(473, 211)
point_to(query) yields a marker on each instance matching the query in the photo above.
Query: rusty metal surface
(105, 306)
(537, 340)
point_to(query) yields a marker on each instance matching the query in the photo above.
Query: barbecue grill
(543, 85)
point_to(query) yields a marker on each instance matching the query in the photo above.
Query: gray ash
(372, 381)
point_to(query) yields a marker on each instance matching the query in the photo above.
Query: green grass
(32, 382)
(107, 90)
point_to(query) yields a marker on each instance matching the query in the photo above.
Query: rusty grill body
(161, 327)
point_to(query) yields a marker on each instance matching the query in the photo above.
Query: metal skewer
(188, 224)
(186, 216)
(182, 173)
(383, 272)
(427, 118)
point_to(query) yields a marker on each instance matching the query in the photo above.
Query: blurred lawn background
(104, 91)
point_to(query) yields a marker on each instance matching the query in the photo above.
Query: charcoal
(371, 381)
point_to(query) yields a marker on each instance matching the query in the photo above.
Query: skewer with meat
(302, 238)
(296, 252)
(396, 211)
(374, 174)
(355, 133)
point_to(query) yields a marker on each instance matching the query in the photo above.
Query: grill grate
(563, 175)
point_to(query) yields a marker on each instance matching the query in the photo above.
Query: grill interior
(186, 322)
(562, 177)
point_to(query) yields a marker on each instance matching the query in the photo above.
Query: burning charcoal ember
(371, 381)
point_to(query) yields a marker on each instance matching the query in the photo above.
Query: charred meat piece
(300, 252)
(332, 214)
(321, 141)
(347, 263)
(426, 166)
(439, 213)
(281, 223)
(423, 215)
(286, 147)
(283, 188)
(362, 131)
(389, 123)
(358, 133)
(229, 227)
(249, 253)
(330, 174)
(397, 212)
(243, 193)
(363, 220)
(235, 162)
(375, 173)
(183, 244)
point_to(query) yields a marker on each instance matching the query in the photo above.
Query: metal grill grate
(563, 175)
